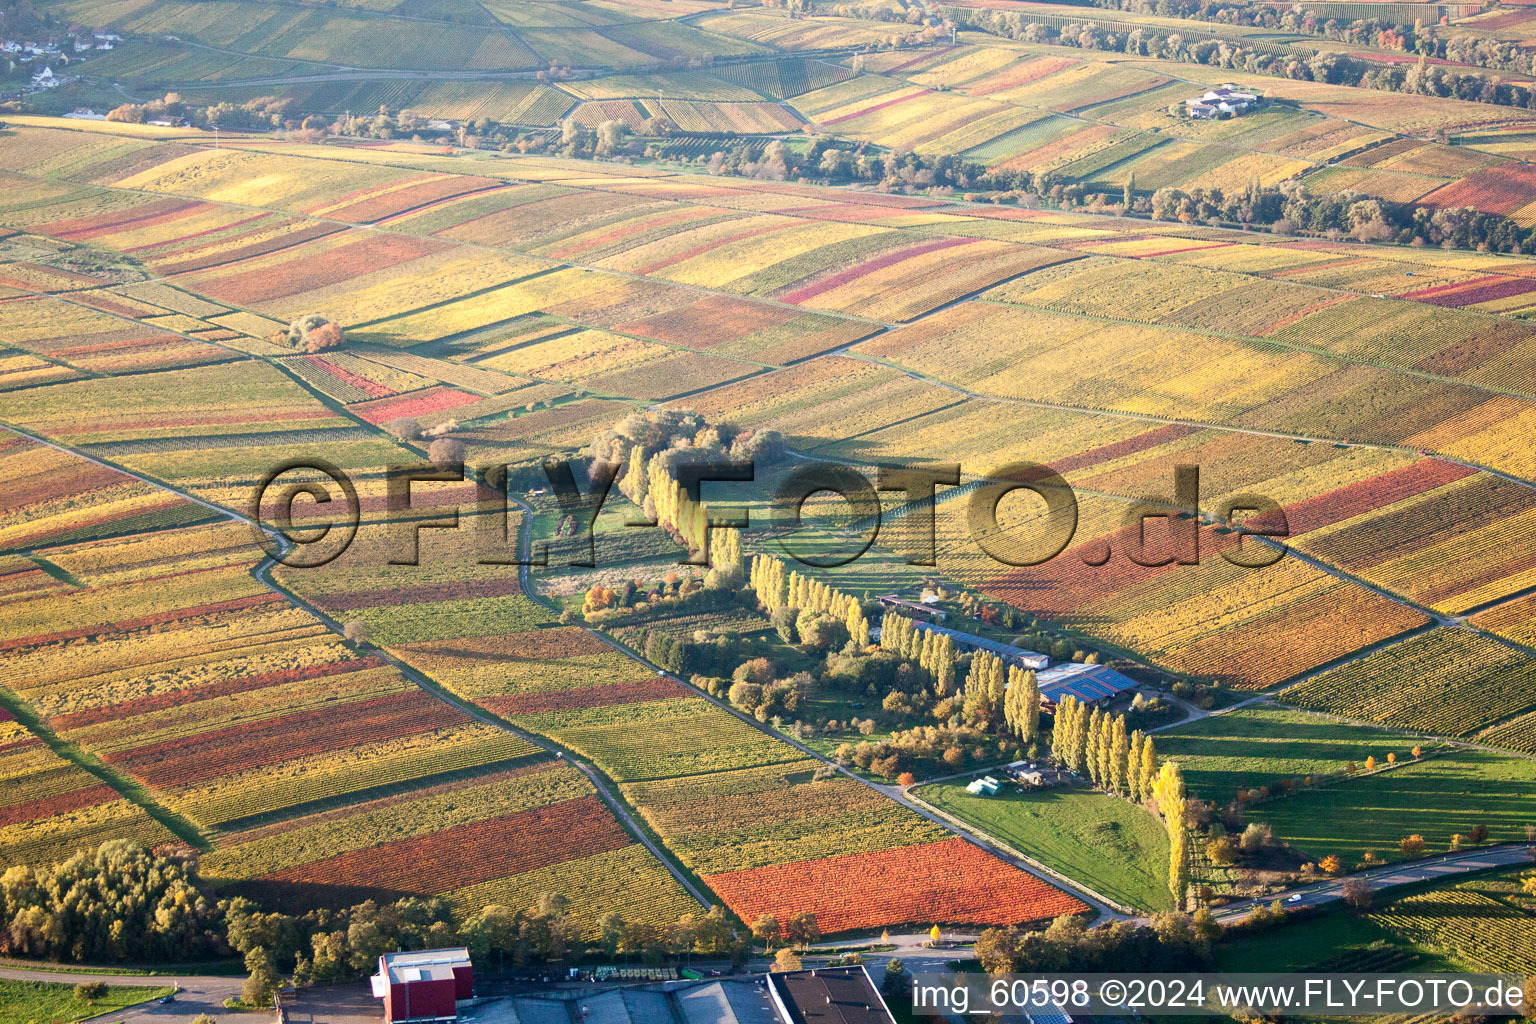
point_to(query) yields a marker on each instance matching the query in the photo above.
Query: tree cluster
(1173, 942)
(124, 903)
(807, 611)
(117, 903)
(1378, 32)
(1422, 79)
(1095, 743)
(650, 446)
(310, 332)
(952, 744)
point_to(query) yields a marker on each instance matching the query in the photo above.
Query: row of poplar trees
(1095, 743)
(994, 691)
(778, 587)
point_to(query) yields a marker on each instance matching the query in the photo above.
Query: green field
(39, 1002)
(1446, 793)
(1109, 844)
(1481, 922)
(1435, 798)
(1327, 940)
(1259, 746)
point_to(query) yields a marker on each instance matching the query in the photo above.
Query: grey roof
(1002, 650)
(830, 995)
(727, 1002)
(646, 1005)
(542, 1011)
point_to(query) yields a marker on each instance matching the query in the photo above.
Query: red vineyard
(239, 748)
(442, 861)
(948, 882)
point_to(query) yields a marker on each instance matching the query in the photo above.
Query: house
(971, 642)
(85, 114)
(45, 79)
(424, 987)
(828, 995)
(9, 46)
(1088, 683)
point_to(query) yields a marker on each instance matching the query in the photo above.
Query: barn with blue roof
(1088, 683)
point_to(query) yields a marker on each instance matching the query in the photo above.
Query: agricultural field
(1112, 845)
(1458, 925)
(54, 807)
(693, 771)
(1437, 798)
(36, 1001)
(171, 687)
(816, 237)
(1446, 682)
(1256, 747)
(1475, 925)
(1444, 792)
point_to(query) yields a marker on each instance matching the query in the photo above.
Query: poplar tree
(1119, 757)
(858, 626)
(1172, 802)
(1148, 768)
(1091, 748)
(1133, 765)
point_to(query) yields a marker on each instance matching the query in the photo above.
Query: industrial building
(424, 987)
(828, 995)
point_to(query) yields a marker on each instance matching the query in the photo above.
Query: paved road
(1446, 865)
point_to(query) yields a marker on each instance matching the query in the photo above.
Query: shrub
(90, 991)
(405, 428)
(1221, 851)
(446, 450)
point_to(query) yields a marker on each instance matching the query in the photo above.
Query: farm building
(914, 609)
(1224, 99)
(971, 642)
(721, 1001)
(1088, 683)
(984, 786)
(829, 995)
(424, 987)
